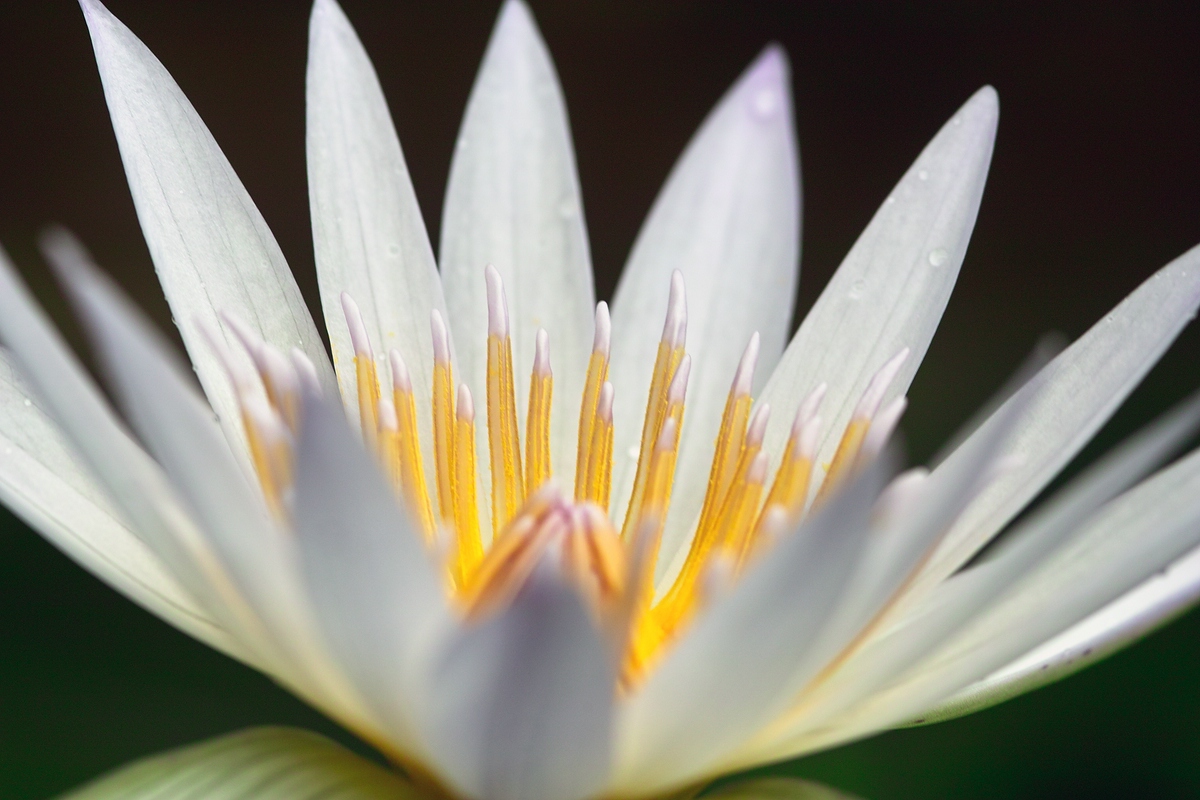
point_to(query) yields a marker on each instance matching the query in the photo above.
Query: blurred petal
(179, 431)
(513, 201)
(523, 704)
(367, 228)
(776, 789)
(890, 291)
(728, 218)
(372, 583)
(726, 675)
(1072, 397)
(1168, 593)
(130, 478)
(42, 483)
(257, 764)
(211, 248)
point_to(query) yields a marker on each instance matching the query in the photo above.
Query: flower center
(613, 568)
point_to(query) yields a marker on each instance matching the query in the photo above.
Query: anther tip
(401, 381)
(744, 377)
(497, 306)
(666, 435)
(466, 406)
(441, 340)
(358, 331)
(602, 339)
(678, 387)
(757, 429)
(604, 406)
(541, 353)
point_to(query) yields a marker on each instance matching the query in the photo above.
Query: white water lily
(593, 595)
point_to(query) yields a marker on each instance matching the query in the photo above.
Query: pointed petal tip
(766, 85)
(515, 19)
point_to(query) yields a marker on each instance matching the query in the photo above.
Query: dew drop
(461, 143)
(28, 402)
(938, 257)
(566, 209)
(891, 199)
(632, 452)
(765, 104)
(957, 120)
(393, 249)
(923, 175)
(856, 289)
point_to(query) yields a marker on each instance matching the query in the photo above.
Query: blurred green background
(1095, 183)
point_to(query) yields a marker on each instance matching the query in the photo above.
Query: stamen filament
(411, 468)
(537, 423)
(443, 419)
(597, 375)
(597, 482)
(365, 374)
(468, 550)
(504, 446)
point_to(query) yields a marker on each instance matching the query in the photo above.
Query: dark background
(1095, 184)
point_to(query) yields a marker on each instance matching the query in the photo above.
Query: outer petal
(727, 674)
(258, 764)
(890, 291)
(179, 431)
(728, 218)
(777, 789)
(211, 248)
(43, 484)
(513, 201)
(1072, 397)
(371, 581)
(522, 705)
(1170, 592)
(132, 481)
(367, 229)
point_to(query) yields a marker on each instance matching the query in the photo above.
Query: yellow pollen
(468, 543)
(537, 423)
(504, 444)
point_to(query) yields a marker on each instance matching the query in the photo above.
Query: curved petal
(728, 218)
(368, 232)
(513, 201)
(777, 789)
(211, 247)
(728, 674)
(890, 291)
(522, 705)
(131, 479)
(258, 764)
(371, 582)
(179, 431)
(1071, 398)
(42, 483)
(1165, 595)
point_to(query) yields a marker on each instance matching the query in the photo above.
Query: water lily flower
(544, 551)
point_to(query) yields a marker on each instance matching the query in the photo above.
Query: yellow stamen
(666, 362)
(365, 374)
(597, 375)
(443, 419)
(504, 445)
(537, 423)
(597, 477)
(409, 464)
(468, 545)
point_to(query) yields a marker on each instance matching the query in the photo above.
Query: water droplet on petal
(566, 209)
(28, 402)
(891, 199)
(393, 249)
(461, 143)
(938, 257)
(632, 453)
(856, 289)
(957, 120)
(923, 175)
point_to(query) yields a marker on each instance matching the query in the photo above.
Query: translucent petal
(211, 247)
(257, 764)
(522, 704)
(891, 289)
(513, 201)
(367, 228)
(372, 584)
(42, 483)
(728, 218)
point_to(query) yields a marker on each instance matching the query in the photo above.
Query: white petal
(728, 218)
(915, 631)
(211, 247)
(179, 431)
(257, 764)
(41, 482)
(131, 479)
(367, 228)
(523, 703)
(891, 289)
(513, 201)
(724, 678)
(1155, 602)
(371, 581)
(1072, 397)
